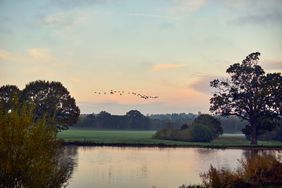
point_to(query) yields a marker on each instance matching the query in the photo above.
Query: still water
(122, 167)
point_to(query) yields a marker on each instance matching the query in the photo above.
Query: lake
(122, 167)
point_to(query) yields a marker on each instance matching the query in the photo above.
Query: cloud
(4, 55)
(185, 6)
(39, 54)
(203, 85)
(32, 56)
(259, 19)
(74, 4)
(63, 19)
(167, 66)
(43, 55)
(272, 65)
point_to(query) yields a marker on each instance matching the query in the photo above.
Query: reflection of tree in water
(51, 172)
(30, 154)
(248, 154)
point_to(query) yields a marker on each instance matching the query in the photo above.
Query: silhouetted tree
(50, 99)
(137, 120)
(8, 96)
(249, 94)
(184, 126)
(104, 120)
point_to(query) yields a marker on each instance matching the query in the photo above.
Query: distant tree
(184, 126)
(211, 122)
(50, 99)
(104, 120)
(136, 120)
(251, 95)
(8, 96)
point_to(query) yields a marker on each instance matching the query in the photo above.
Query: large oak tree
(250, 94)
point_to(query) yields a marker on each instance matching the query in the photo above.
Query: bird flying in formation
(114, 92)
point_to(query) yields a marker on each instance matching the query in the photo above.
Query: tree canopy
(211, 122)
(50, 99)
(250, 94)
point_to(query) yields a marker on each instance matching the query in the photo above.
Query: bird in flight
(120, 93)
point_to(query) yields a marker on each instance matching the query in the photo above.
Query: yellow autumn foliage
(29, 151)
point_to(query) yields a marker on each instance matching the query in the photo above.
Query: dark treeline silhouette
(104, 120)
(137, 121)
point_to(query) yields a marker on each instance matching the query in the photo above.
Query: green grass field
(144, 138)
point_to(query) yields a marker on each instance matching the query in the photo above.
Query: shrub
(184, 135)
(201, 133)
(29, 151)
(211, 122)
(254, 171)
(166, 133)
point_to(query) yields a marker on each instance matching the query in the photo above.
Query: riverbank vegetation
(254, 171)
(30, 152)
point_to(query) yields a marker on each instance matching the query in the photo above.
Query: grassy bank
(144, 138)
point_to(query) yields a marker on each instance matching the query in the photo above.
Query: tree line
(137, 121)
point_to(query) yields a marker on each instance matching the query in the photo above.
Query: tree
(201, 133)
(136, 120)
(249, 94)
(30, 152)
(50, 99)
(8, 96)
(211, 122)
(184, 126)
(104, 120)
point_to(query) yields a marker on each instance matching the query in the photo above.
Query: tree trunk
(254, 134)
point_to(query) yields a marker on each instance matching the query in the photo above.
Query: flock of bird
(114, 92)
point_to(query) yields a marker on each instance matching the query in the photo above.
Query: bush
(255, 171)
(184, 135)
(166, 133)
(211, 122)
(29, 151)
(275, 134)
(201, 133)
(197, 133)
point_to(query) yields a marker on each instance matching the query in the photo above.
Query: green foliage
(104, 120)
(211, 122)
(29, 151)
(166, 133)
(50, 99)
(255, 171)
(197, 133)
(251, 95)
(275, 134)
(201, 133)
(203, 129)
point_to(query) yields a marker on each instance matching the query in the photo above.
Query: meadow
(144, 138)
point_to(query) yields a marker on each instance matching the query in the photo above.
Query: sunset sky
(168, 48)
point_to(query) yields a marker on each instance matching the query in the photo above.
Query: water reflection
(107, 167)
(50, 172)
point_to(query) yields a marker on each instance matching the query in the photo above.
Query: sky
(166, 48)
